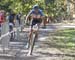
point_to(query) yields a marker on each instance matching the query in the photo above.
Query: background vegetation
(50, 7)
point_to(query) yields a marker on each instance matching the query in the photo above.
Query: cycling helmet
(35, 7)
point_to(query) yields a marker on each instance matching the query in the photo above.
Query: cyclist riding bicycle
(37, 16)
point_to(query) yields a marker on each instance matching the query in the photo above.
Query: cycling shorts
(35, 21)
(11, 25)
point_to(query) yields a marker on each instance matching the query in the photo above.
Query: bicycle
(33, 38)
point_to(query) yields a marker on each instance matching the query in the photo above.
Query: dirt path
(44, 49)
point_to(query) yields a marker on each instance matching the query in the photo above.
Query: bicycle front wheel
(32, 44)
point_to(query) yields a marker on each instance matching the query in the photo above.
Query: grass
(64, 40)
(60, 44)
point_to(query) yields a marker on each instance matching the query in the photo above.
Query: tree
(50, 7)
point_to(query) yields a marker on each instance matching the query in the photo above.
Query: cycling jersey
(33, 12)
(11, 18)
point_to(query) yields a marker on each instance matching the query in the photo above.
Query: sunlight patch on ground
(42, 38)
(1, 49)
(60, 37)
(24, 51)
(49, 51)
(70, 44)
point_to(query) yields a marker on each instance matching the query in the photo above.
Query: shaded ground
(57, 45)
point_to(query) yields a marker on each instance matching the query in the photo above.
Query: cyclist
(11, 22)
(37, 16)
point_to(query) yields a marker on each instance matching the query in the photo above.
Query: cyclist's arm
(28, 15)
(42, 14)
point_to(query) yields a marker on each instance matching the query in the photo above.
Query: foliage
(56, 7)
(50, 7)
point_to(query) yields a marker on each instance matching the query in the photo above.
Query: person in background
(2, 18)
(18, 18)
(11, 17)
(44, 22)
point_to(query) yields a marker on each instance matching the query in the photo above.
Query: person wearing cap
(36, 18)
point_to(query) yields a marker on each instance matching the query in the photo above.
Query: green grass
(64, 40)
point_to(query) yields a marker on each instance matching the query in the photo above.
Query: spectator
(2, 17)
(11, 17)
(18, 18)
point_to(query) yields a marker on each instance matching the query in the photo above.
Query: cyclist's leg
(38, 23)
(19, 21)
(11, 29)
(31, 39)
(30, 34)
(31, 28)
